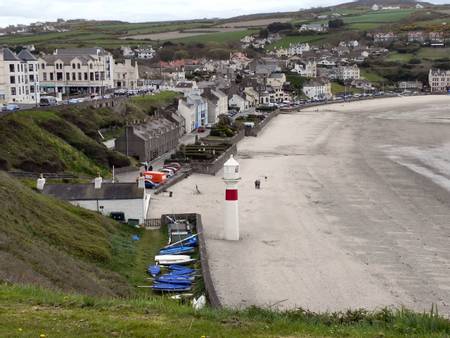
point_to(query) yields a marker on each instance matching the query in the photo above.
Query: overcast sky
(27, 11)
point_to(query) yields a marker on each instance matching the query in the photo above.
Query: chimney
(40, 183)
(98, 182)
(141, 182)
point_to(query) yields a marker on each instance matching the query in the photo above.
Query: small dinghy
(154, 270)
(177, 250)
(166, 287)
(173, 280)
(174, 259)
(180, 270)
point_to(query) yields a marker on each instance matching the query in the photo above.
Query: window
(85, 76)
(91, 66)
(74, 76)
(51, 76)
(11, 68)
(13, 91)
(67, 76)
(43, 66)
(31, 67)
(79, 66)
(12, 79)
(79, 77)
(73, 66)
(45, 76)
(59, 76)
(91, 76)
(32, 89)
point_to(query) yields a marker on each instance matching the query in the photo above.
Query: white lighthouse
(231, 178)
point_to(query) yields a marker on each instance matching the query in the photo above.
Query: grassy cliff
(51, 243)
(67, 139)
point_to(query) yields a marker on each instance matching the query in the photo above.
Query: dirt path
(355, 211)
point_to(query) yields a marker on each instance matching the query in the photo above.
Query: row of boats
(172, 271)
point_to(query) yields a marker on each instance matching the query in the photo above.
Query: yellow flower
(42, 335)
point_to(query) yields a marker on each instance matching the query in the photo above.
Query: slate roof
(67, 59)
(25, 54)
(8, 55)
(80, 51)
(86, 192)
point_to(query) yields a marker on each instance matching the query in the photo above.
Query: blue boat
(166, 287)
(180, 268)
(181, 272)
(173, 280)
(154, 270)
(179, 250)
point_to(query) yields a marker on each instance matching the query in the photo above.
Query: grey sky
(26, 11)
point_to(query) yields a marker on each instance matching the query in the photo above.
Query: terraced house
(19, 78)
(77, 70)
(439, 80)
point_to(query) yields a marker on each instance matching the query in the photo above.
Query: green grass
(337, 88)
(399, 57)
(433, 53)
(219, 38)
(287, 40)
(54, 244)
(30, 312)
(386, 16)
(371, 76)
(67, 140)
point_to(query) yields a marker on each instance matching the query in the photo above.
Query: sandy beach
(355, 211)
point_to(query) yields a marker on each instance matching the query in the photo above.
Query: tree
(264, 33)
(336, 23)
(276, 27)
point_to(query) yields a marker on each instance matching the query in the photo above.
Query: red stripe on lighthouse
(231, 195)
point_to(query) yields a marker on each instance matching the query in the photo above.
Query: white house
(130, 198)
(314, 27)
(194, 110)
(19, 77)
(238, 102)
(217, 103)
(306, 69)
(439, 80)
(345, 73)
(375, 7)
(126, 75)
(318, 89)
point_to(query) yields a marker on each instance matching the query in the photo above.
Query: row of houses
(434, 39)
(24, 76)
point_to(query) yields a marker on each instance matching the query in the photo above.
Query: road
(355, 211)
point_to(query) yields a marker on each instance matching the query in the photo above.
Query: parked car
(48, 101)
(12, 107)
(201, 129)
(171, 168)
(173, 164)
(150, 184)
(168, 172)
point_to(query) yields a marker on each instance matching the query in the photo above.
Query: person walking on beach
(257, 184)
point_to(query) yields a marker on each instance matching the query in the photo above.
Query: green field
(399, 57)
(337, 88)
(371, 76)
(216, 38)
(386, 16)
(287, 40)
(434, 53)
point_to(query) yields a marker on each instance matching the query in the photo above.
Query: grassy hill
(50, 243)
(67, 139)
(33, 312)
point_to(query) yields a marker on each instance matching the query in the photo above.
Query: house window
(91, 66)
(79, 77)
(43, 66)
(32, 89)
(11, 68)
(91, 76)
(85, 76)
(73, 66)
(13, 91)
(51, 76)
(31, 78)
(45, 76)
(59, 76)
(12, 79)
(79, 66)
(67, 76)
(74, 76)
(30, 67)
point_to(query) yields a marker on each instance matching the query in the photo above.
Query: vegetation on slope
(54, 244)
(30, 312)
(67, 139)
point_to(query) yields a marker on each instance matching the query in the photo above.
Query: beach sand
(355, 211)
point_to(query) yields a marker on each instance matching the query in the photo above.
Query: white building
(77, 70)
(314, 27)
(145, 53)
(126, 75)
(130, 198)
(294, 49)
(345, 73)
(217, 103)
(375, 7)
(194, 110)
(306, 69)
(238, 102)
(19, 77)
(439, 80)
(318, 89)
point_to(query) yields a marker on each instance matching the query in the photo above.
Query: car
(150, 184)
(173, 164)
(209, 125)
(171, 168)
(168, 172)
(12, 107)
(201, 129)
